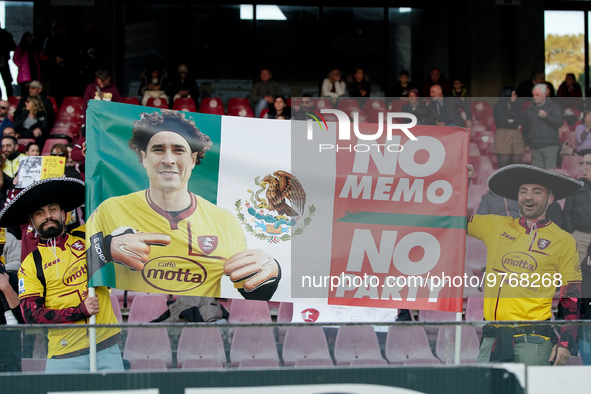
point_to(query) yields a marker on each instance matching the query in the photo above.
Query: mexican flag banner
(172, 196)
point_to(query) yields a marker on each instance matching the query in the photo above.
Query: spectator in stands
(306, 105)
(33, 122)
(458, 89)
(70, 170)
(36, 90)
(509, 117)
(263, 92)
(7, 45)
(59, 62)
(154, 84)
(540, 131)
(582, 134)
(4, 121)
(446, 112)
(103, 88)
(32, 149)
(26, 58)
(524, 89)
(9, 131)
(358, 84)
(332, 86)
(12, 157)
(436, 77)
(416, 107)
(570, 87)
(184, 85)
(403, 86)
(280, 109)
(532, 234)
(577, 209)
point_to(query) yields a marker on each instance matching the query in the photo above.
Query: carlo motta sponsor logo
(174, 273)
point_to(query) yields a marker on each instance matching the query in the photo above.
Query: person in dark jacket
(508, 118)
(540, 132)
(577, 209)
(33, 121)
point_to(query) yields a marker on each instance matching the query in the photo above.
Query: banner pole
(92, 336)
(458, 348)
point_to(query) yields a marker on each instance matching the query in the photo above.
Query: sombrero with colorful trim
(506, 181)
(69, 193)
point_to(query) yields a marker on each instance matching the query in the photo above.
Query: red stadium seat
(23, 142)
(147, 307)
(249, 311)
(253, 343)
(147, 364)
(446, 341)
(46, 150)
(130, 100)
(407, 343)
(356, 343)
(322, 103)
(116, 308)
(238, 101)
(148, 343)
(200, 343)
(60, 130)
(212, 105)
(184, 104)
(157, 102)
(53, 103)
(307, 343)
(348, 103)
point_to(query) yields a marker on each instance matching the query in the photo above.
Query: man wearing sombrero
(53, 279)
(527, 259)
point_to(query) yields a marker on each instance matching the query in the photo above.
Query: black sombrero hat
(69, 193)
(507, 180)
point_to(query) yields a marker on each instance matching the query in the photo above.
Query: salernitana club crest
(276, 210)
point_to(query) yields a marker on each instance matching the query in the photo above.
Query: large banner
(372, 219)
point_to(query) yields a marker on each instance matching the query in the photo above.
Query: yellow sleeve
(28, 283)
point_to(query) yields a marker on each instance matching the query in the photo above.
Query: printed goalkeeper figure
(165, 238)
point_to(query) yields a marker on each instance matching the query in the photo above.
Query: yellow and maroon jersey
(58, 299)
(523, 268)
(203, 237)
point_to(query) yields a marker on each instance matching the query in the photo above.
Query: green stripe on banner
(402, 219)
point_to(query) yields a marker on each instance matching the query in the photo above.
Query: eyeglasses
(306, 102)
(582, 163)
(58, 154)
(1, 107)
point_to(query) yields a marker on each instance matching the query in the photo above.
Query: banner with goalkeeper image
(224, 206)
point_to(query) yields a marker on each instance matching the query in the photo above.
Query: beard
(51, 232)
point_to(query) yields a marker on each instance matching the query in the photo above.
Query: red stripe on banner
(398, 265)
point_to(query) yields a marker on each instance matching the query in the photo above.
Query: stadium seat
(435, 316)
(322, 103)
(147, 307)
(245, 112)
(212, 105)
(305, 343)
(130, 100)
(475, 256)
(73, 100)
(446, 340)
(201, 364)
(13, 101)
(23, 142)
(238, 102)
(307, 363)
(348, 103)
(200, 343)
(373, 107)
(157, 102)
(263, 363)
(284, 315)
(184, 104)
(33, 364)
(263, 113)
(475, 310)
(116, 308)
(397, 104)
(407, 343)
(147, 364)
(49, 142)
(253, 343)
(422, 361)
(148, 343)
(249, 311)
(475, 193)
(356, 343)
(571, 165)
(63, 131)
